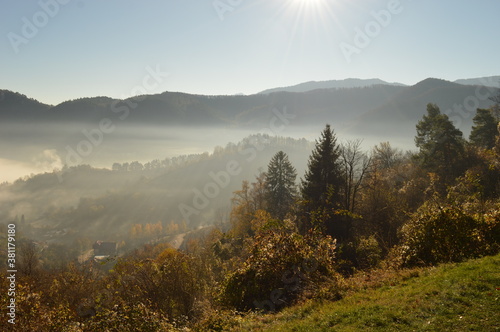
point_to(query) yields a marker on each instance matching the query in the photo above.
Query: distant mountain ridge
(232, 111)
(493, 81)
(371, 109)
(400, 115)
(331, 84)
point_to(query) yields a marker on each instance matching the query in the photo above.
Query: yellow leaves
(149, 229)
(261, 218)
(450, 233)
(166, 255)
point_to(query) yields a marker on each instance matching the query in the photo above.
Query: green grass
(451, 297)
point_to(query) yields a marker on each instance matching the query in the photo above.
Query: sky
(57, 50)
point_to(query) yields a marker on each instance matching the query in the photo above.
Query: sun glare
(309, 7)
(309, 2)
(318, 11)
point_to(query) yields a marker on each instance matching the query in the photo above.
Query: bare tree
(28, 258)
(385, 156)
(355, 164)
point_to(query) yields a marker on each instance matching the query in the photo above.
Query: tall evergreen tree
(484, 131)
(324, 171)
(280, 185)
(321, 189)
(440, 143)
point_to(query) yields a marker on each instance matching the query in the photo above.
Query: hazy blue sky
(104, 47)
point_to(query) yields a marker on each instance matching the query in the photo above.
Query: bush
(217, 321)
(169, 283)
(448, 234)
(32, 312)
(128, 318)
(281, 265)
(368, 252)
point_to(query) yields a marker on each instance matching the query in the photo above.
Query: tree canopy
(484, 131)
(440, 143)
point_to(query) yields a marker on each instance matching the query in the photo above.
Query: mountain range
(493, 81)
(331, 84)
(368, 107)
(86, 200)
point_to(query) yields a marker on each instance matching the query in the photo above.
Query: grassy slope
(451, 297)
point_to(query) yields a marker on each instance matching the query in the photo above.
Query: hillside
(16, 106)
(96, 203)
(173, 108)
(357, 102)
(401, 113)
(450, 297)
(155, 126)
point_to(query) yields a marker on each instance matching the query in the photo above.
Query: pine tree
(324, 173)
(441, 145)
(280, 185)
(484, 131)
(321, 190)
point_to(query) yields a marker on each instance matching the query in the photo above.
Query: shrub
(32, 312)
(368, 252)
(281, 264)
(128, 318)
(448, 234)
(168, 283)
(217, 321)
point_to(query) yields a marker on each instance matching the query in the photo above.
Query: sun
(308, 5)
(312, 9)
(308, 2)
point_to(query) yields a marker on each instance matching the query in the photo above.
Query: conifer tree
(441, 145)
(484, 131)
(321, 189)
(280, 185)
(324, 172)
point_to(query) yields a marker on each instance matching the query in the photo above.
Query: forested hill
(369, 109)
(170, 108)
(98, 203)
(399, 115)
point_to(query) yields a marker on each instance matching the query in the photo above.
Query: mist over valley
(107, 164)
(228, 165)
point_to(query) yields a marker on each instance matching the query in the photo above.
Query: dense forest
(288, 236)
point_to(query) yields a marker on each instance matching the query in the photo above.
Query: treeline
(173, 163)
(99, 204)
(291, 240)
